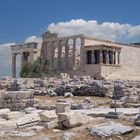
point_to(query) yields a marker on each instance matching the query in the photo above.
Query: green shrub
(36, 69)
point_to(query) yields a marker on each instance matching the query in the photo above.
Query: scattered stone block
(50, 125)
(137, 121)
(4, 111)
(53, 94)
(73, 119)
(87, 100)
(6, 126)
(62, 107)
(68, 94)
(28, 120)
(118, 104)
(21, 134)
(109, 129)
(47, 116)
(15, 114)
(129, 99)
(111, 115)
(29, 110)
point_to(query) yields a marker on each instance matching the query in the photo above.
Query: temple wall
(38, 54)
(93, 70)
(62, 63)
(129, 62)
(129, 65)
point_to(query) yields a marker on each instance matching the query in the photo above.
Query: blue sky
(22, 18)
(25, 20)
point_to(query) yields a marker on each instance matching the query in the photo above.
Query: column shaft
(74, 52)
(106, 57)
(118, 58)
(59, 54)
(82, 54)
(93, 57)
(31, 56)
(101, 57)
(66, 55)
(13, 65)
(113, 58)
(22, 59)
(116, 62)
(52, 54)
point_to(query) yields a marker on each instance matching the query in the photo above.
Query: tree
(36, 69)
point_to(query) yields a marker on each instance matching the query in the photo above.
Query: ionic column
(66, 55)
(74, 52)
(13, 65)
(101, 57)
(59, 54)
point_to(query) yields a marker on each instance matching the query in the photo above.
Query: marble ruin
(82, 55)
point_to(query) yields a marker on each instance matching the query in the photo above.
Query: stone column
(113, 57)
(22, 59)
(118, 58)
(59, 54)
(116, 62)
(26, 56)
(74, 52)
(14, 65)
(52, 54)
(66, 55)
(93, 57)
(82, 54)
(31, 56)
(106, 57)
(101, 57)
(45, 50)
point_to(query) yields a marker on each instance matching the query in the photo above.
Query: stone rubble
(109, 129)
(22, 115)
(71, 119)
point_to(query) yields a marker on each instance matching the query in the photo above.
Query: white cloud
(32, 39)
(5, 59)
(105, 30)
(5, 56)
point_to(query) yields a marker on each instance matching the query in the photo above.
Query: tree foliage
(36, 69)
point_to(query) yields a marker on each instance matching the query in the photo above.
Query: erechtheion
(82, 55)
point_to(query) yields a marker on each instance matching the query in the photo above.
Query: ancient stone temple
(83, 55)
(27, 51)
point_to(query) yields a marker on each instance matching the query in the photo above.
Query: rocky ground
(49, 109)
